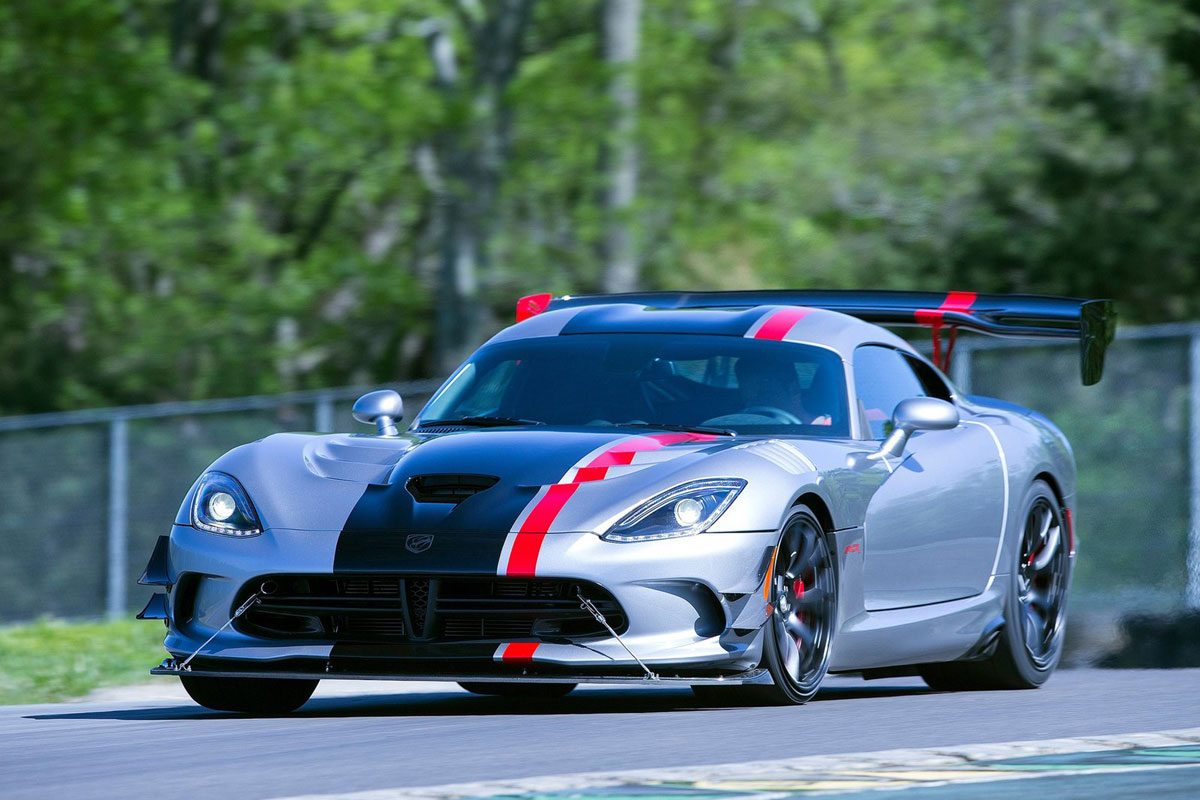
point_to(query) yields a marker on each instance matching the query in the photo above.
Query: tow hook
(590, 607)
(242, 609)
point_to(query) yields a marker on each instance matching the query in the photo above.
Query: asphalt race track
(437, 736)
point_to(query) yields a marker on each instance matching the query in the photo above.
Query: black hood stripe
(497, 531)
(385, 533)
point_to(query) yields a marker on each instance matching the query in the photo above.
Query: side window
(882, 378)
(933, 383)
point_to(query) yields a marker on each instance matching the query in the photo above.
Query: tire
(249, 695)
(729, 695)
(1030, 643)
(798, 636)
(531, 690)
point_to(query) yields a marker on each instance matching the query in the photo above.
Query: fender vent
(448, 488)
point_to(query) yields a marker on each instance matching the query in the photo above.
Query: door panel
(932, 530)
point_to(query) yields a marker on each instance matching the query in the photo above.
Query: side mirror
(383, 409)
(917, 414)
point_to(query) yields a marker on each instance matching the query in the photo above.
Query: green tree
(208, 198)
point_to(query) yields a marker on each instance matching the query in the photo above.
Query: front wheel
(249, 695)
(1035, 610)
(803, 613)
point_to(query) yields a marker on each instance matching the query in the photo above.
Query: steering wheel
(774, 411)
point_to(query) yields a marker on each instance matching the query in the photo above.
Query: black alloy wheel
(1035, 610)
(1042, 574)
(802, 617)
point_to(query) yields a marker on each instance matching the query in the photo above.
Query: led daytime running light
(222, 506)
(683, 511)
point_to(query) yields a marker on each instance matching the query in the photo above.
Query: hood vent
(448, 488)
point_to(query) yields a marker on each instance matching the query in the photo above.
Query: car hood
(517, 457)
(365, 487)
(519, 461)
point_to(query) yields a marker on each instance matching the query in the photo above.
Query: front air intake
(448, 488)
(425, 608)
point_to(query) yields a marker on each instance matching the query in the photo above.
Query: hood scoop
(361, 459)
(451, 489)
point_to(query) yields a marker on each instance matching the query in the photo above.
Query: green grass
(52, 660)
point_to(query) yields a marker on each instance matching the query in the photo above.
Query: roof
(800, 324)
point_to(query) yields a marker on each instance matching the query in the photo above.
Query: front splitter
(757, 676)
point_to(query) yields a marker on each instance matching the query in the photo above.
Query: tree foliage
(209, 198)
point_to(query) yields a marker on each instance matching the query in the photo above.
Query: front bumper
(694, 608)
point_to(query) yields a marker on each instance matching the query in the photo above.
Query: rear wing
(1092, 322)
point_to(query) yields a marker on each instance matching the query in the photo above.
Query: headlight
(221, 506)
(682, 511)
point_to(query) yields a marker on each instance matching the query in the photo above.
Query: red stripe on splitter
(780, 322)
(955, 301)
(519, 652)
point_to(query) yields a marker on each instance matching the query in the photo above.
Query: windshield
(744, 385)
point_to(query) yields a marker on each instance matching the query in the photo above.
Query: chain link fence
(1136, 437)
(84, 495)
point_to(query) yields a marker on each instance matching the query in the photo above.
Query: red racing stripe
(585, 474)
(519, 652)
(617, 458)
(780, 322)
(543, 514)
(955, 301)
(622, 453)
(527, 544)
(522, 560)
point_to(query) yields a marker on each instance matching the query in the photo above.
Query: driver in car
(768, 385)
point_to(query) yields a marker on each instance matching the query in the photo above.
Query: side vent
(448, 488)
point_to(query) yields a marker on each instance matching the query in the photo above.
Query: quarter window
(933, 383)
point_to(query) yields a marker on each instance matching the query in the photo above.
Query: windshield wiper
(672, 426)
(480, 422)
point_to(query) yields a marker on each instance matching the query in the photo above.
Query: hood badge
(418, 542)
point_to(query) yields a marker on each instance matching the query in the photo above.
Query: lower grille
(416, 594)
(482, 628)
(374, 626)
(403, 608)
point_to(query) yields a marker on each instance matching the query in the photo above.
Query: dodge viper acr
(738, 491)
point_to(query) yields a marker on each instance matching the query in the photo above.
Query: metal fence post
(960, 367)
(118, 516)
(323, 414)
(1193, 552)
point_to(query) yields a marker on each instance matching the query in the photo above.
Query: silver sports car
(737, 491)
